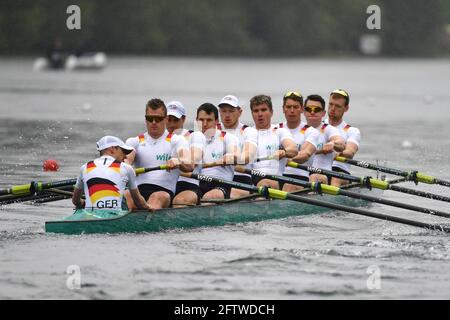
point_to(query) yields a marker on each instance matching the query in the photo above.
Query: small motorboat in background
(85, 61)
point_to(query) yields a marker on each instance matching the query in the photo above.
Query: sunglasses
(293, 93)
(313, 109)
(156, 119)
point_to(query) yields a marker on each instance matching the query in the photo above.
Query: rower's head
(114, 147)
(292, 107)
(338, 104)
(262, 111)
(230, 111)
(156, 117)
(176, 116)
(208, 118)
(314, 109)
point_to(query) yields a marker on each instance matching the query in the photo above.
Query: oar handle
(145, 170)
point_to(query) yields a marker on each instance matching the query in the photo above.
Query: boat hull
(85, 222)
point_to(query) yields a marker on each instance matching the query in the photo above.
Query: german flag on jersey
(115, 166)
(324, 126)
(141, 138)
(303, 130)
(169, 137)
(90, 166)
(222, 135)
(347, 127)
(101, 188)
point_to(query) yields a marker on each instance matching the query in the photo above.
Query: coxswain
(104, 180)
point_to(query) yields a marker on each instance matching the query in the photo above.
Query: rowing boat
(100, 221)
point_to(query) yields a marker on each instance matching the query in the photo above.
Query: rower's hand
(328, 148)
(173, 163)
(229, 159)
(279, 154)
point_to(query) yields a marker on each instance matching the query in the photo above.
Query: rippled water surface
(327, 256)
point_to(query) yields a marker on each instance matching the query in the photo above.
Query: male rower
(338, 105)
(273, 142)
(221, 149)
(230, 112)
(187, 191)
(104, 179)
(305, 137)
(159, 147)
(330, 140)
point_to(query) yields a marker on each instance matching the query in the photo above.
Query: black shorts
(337, 169)
(246, 179)
(257, 179)
(293, 176)
(187, 186)
(208, 186)
(147, 190)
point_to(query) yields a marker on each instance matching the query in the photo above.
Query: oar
(31, 189)
(278, 194)
(369, 182)
(325, 188)
(34, 187)
(411, 175)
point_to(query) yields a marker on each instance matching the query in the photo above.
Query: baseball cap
(111, 141)
(176, 109)
(343, 93)
(230, 100)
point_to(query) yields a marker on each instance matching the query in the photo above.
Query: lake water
(327, 256)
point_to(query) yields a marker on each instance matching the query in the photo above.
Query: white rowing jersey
(303, 133)
(326, 132)
(104, 181)
(245, 134)
(349, 134)
(195, 139)
(216, 147)
(269, 142)
(155, 152)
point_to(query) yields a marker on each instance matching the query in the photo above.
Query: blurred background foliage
(261, 28)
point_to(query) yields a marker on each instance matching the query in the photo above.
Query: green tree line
(225, 27)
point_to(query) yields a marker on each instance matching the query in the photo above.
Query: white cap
(176, 109)
(111, 141)
(230, 100)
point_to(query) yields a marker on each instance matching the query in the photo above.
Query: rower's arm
(76, 198)
(186, 165)
(350, 150)
(248, 153)
(139, 200)
(290, 148)
(306, 151)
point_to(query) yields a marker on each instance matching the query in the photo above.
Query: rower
(159, 147)
(221, 148)
(274, 142)
(330, 140)
(104, 179)
(305, 137)
(230, 112)
(338, 105)
(187, 191)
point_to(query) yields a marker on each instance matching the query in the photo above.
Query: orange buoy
(50, 165)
